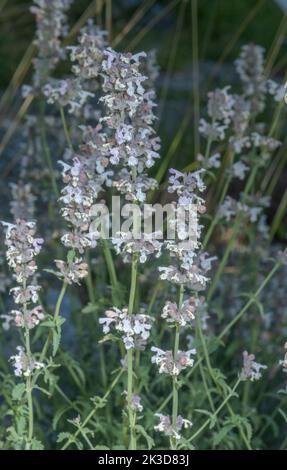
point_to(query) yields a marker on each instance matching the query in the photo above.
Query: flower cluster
(251, 209)
(165, 425)
(134, 190)
(168, 364)
(144, 245)
(31, 318)
(79, 194)
(88, 54)
(134, 329)
(73, 271)
(251, 369)
(220, 111)
(23, 364)
(23, 200)
(129, 111)
(187, 271)
(250, 67)
(22, 247)
(67, 92)
(51, 27)
(183, 315)
(265, 145)
(189, 267)
(136, 403)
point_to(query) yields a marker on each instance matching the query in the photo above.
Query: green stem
(29, 387)
(210, 370)
(131, 413)
(57, 313)
(94, 410)
(112, 272)
(28, 379)
(174, 378)
(65, 127)
(46, 149)
(206, 423)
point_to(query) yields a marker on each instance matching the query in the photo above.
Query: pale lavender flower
(211, 162)
(24, 365)
(136, 403)
(186, 185)
(29, 318)
(51, 20)
(251, 369)
(82, 187)
(88, 54)
(183, 315)
(220, 105)
(220, 111)
(144, 245)
(133, 329)
(68, 92)
(239, 170)
(213, 131)
(22, 247)
(135, 190)
(250, 67)
(129, 111)
(276, 90)
(241, 116)
(168, 364)
(152, 69)
(165, 425)
(22, 205)
(72, 272)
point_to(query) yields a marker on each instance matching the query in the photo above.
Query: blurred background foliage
(165, 25)
(219, 20)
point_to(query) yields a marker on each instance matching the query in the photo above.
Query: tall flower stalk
(129, 138)
(22, 247)
(187, 272)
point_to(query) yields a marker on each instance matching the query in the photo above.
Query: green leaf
(63, 436)
(58, 415)
(283, 414)
(220, 436)
(56, 340)
(18, 391)
(36, 444)
(90, 308)
(149, 440)
(70, 256)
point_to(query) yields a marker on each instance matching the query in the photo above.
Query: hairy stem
(131, 413)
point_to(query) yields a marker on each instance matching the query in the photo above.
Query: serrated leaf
(219, 436)
(63, 436)
(36, 444)
(56, 340)
(18, 391)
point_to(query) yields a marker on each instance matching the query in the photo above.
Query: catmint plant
(22, 248)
